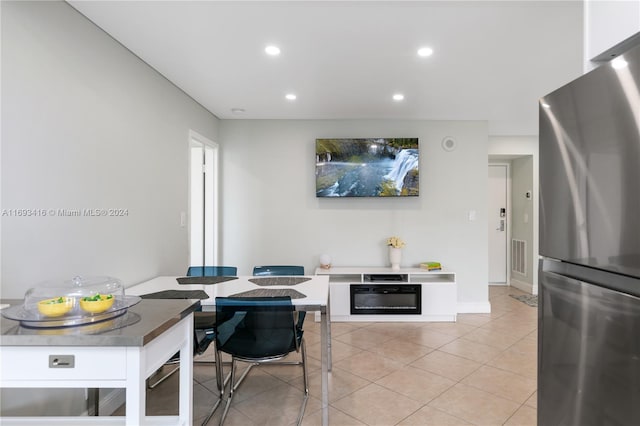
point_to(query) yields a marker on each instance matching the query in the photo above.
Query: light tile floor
(480, 370)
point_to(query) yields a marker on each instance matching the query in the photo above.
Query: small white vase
(395, 256)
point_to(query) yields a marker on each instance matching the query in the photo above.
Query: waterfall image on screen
(376, 167)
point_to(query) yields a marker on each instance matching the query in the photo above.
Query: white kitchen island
(119, 353)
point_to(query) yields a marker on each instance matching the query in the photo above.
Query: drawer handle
(62, 361)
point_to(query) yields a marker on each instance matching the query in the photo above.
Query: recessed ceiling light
(237, 110)
(291, 96)
(272, 50)
(425, 51)
(619, 63)
(398, 97)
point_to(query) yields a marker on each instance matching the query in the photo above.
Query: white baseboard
(394, 318)
(526, 287)
(474, 307)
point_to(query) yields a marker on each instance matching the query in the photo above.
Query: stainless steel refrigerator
(589, 280)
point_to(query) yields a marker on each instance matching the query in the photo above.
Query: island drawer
(63, 363)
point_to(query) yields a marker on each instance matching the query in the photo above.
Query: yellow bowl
(55, 307)
(97, 306)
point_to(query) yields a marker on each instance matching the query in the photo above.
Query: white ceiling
(345, 59)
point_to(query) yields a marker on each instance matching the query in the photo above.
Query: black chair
(258, 330)
(203, 322)
(204, 328)
(278, 270)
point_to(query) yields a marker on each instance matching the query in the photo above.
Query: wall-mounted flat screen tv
(376, 167)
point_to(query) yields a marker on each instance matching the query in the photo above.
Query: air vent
(519, 256)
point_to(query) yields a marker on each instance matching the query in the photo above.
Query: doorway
(203, 201)
(498, 223)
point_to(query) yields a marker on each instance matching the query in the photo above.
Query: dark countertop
(140, 325)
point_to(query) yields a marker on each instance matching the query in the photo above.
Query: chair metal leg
(244, 374)
(220, 383)
(303, 351)
(152, 385)
(306, 381)
(93, 401)
(213, 410)
(231, 390)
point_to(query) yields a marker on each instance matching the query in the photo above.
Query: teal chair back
(212, 271)
(278, 270)
(257, 328)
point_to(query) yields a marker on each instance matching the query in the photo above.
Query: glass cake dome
(77, 296)
(80, 300)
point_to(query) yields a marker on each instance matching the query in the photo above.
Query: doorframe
(508, 148)
(197, 138)
(507, 219)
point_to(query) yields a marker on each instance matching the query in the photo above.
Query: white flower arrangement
(395, 242)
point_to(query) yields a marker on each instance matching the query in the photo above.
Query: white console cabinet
(439, 293)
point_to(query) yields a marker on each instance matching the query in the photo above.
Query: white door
(203, 199)
(497, 219)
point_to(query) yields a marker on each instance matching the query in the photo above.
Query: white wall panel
(87, 125)
(272, 216)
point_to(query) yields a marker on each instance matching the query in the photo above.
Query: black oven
(387, 299)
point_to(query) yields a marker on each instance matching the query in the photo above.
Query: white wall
(271, 215)
(608, 23)
(522, 214)
(86, 124)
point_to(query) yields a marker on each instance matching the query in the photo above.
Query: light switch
(472, 215)
(526, 218)
(183, 219)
